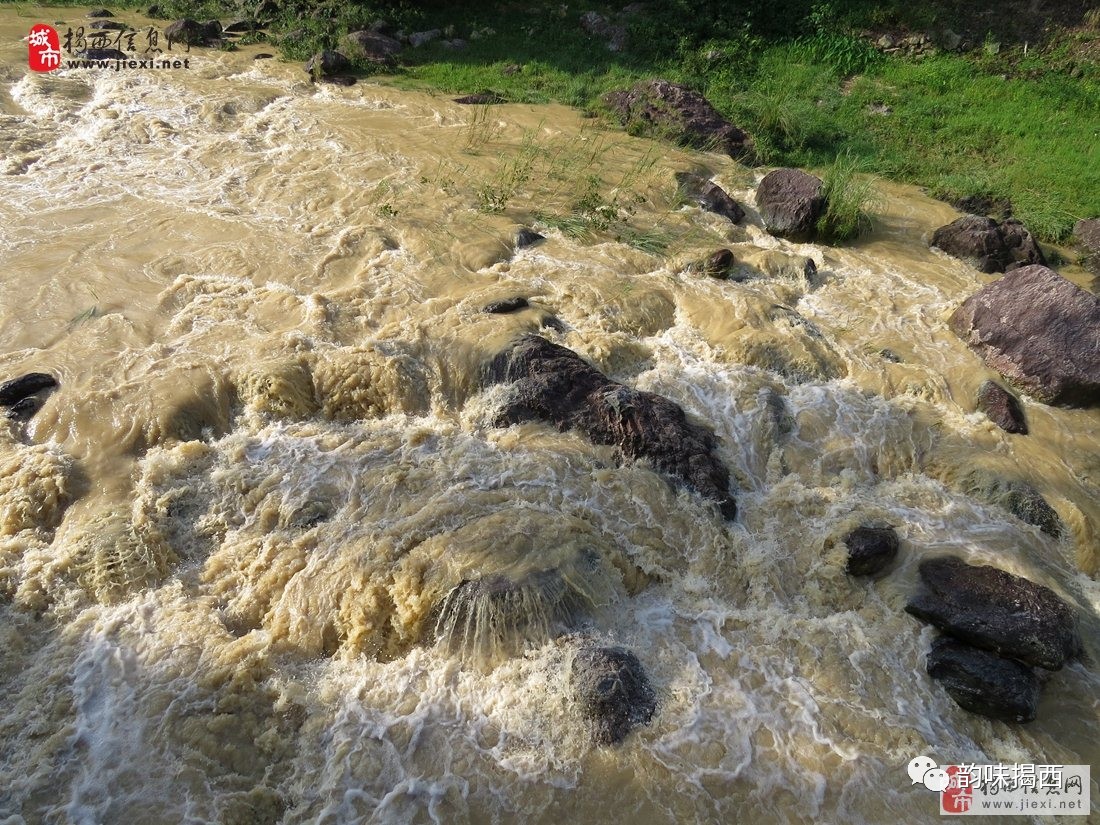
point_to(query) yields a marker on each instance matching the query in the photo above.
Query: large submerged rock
(996, 611)
(612, 687)
(1039, 331)
(988, 245)
(672, 110)
(983, 682)
(791, 202)
(553, 384)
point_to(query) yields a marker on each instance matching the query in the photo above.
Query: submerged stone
(710, 196)
(24, 410)
(506, 306)
(480, 99)
(327, 63)
(612, 688)
(553, 384)
(983, 682)
(870, 550)
(997, 611)
(15, 390)
(1002, 408)
(527, 237)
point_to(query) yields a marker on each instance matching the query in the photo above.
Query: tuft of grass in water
(848, 197)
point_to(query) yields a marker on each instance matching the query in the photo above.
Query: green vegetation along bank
(995, 107)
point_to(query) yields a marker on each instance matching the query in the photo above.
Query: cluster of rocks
(909, 45)
(1001, 632)
(1003, 636)
(25, 395)
(988, 245)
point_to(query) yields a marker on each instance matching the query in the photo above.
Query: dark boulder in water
(716, 265)
(1002, 407)
(997, 611)
(192, 32)
(661, 108)
(553, 384)
(983, 682)
(987, 245)
(107, 25)
(480, 99)
(870, 550)
(790, 202)
(100, 13)
(527, 237)
(1039, 331)
(612, 687)
(710, 196)
(498, 614)
(1017, 497)
(506, 306)
(15, 390)
(24, 410)
(326, 64)
(372, 46)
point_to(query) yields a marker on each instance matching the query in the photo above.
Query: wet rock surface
(527, 237)
(612, 688)
(870, 550)
(1002, 408)
(1039, 331)
(480, 99)
(372, 46)
(710, 196)
(983, 682)
(506, 306)
(790, 202)
(327, 64)
(192, 32)
(716, 265)
(19, 388)
(672, 110)
(988, 245)
(997, 611)
(1087, 235)
(553, 384)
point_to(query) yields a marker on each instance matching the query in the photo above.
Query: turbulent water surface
(226, 539)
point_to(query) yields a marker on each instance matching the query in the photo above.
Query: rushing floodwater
(223, 540)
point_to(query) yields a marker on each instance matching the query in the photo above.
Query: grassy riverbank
(1010, 115)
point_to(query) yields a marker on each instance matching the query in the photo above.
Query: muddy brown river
(226, 537)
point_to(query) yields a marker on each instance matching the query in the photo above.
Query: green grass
(1008, 124)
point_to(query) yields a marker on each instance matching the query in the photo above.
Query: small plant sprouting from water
(482, 128)
(849, 197)
(493, 198)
